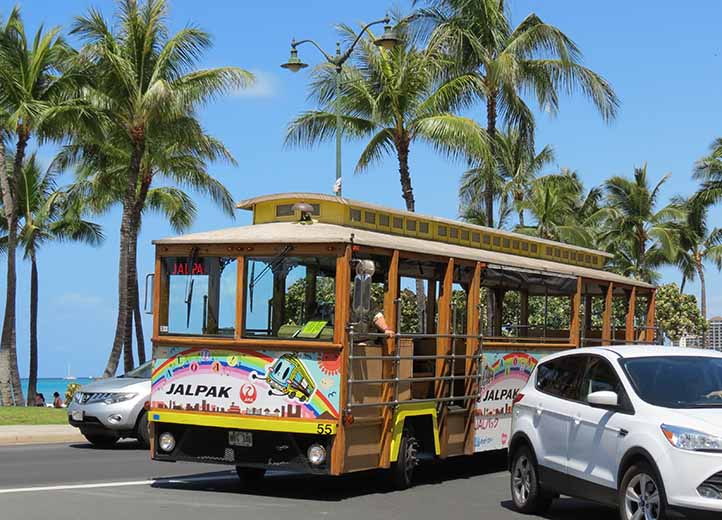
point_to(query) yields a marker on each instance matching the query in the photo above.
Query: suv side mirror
(603, 399)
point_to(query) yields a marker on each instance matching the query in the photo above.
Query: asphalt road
(61, 482)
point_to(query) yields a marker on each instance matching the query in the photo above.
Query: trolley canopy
(509, 266)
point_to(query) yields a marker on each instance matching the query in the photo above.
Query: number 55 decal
(324, 429)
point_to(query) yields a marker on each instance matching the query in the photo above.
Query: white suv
(639, 428)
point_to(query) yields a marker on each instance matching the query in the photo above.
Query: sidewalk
(39, 434)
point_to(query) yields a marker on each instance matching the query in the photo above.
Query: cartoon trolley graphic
(287, 376)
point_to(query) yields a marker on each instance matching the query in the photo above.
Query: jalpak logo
(199, 390)
(248, 394)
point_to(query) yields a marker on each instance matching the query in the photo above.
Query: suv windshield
(141, 372)
(677, 381)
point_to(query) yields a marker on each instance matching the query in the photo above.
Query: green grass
(14, 415)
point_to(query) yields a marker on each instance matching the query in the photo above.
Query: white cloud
(265, 86)
(78, 299)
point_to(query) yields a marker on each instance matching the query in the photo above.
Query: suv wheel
(526, 493)
(641, 495)
(142, 430)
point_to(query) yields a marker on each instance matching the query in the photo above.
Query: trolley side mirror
(148, 297)
(361, 295)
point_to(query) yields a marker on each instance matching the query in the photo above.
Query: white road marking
(126, 483)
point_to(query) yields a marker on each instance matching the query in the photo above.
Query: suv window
(600, 377)
(561, 377)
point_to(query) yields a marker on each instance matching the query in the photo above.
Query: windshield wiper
(275, 262)
(189, 286)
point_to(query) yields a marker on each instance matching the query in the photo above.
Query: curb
(43, 434)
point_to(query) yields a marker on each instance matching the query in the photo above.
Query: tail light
(519, 396)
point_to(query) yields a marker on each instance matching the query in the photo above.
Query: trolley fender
(412, 410)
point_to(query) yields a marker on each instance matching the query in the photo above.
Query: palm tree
(641, 236)
(517, 165)
(393, 98)
(708, 170)
(507, 62)
(561, 209)
(142, 79)
(697, 245)
(47, 214)
(38, 97)
(177, 154)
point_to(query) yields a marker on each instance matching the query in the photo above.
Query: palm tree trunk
(407, 191)
(521, 218)
(133, 263)
(137, 319)
(10, 390)
(117, 349)
(33, 375)
(702, 288)
(489, 184)
(8, 330)
(122, 325)
(132, 295)
(491, 304)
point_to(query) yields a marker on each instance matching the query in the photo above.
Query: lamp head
(389, 39)
(294, 63)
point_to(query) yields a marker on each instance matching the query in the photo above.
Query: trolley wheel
(292, 395)
(402, 471)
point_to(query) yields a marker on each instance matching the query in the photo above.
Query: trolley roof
(323, 233)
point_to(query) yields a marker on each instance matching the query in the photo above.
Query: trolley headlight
(166, 442)
(316, 454)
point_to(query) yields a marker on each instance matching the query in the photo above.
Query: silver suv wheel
(521, 478)
(642, 499)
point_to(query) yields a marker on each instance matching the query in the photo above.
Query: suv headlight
(118, 398)
(692, 440)
(78, 397)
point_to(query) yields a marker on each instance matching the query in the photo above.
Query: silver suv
(110, 409)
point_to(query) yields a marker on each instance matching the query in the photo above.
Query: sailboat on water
(68, 377)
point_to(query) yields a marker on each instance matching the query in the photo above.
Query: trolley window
(198, 296)
(290, 297)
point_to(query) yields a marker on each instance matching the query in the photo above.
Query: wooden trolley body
(451, 381)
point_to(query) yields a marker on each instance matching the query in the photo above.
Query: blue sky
(662, 58)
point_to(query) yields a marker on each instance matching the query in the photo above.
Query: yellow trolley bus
(266, 356)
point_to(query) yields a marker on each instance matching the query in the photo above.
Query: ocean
(48, 385)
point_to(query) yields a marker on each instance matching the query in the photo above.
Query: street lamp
(388, 40)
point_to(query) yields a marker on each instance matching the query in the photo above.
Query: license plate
(77, 415)
(242, 439)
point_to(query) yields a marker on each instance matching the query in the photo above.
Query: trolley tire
(142, 430)
(250, 477)
(402, 471)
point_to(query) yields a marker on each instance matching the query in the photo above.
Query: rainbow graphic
(519, 364)
(241, 369)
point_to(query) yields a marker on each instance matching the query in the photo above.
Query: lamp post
(388, 40)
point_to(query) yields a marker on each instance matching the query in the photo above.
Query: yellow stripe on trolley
(272, 424)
